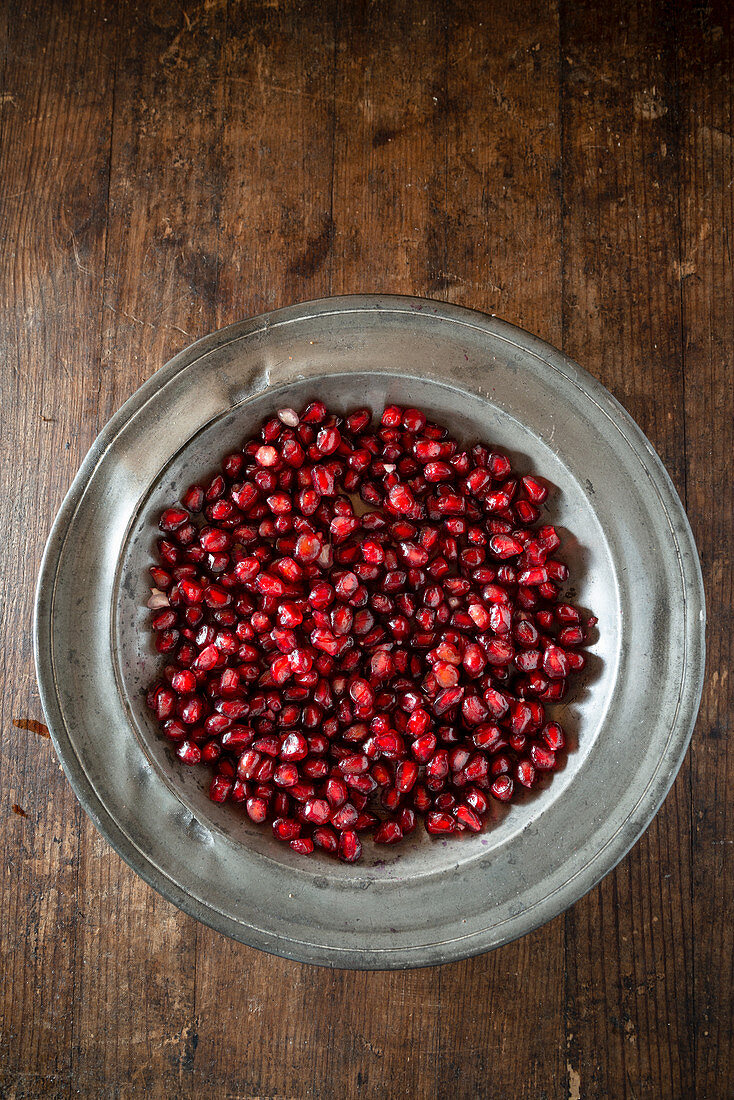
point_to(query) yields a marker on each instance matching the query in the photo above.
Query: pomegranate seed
(525, 773)
(405, 776)
(173, 519)
(350, 846)
(303, 845)
(555, 663)
(438, 822)
(542, 758)
(188, 752)
(325, 838)
(294, 747)
(502, 788)
(504, 546)
(390, 832)
(286, 828)
(315, 413)
(535, 491)
(466, 816)
(476, 800)
(266, 456)
(220, 789)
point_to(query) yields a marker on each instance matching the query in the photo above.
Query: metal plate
(632, 559)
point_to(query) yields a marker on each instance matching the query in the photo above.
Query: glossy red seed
(555, 663)
(303, 845)
(266, 456)
(286, 828)
(504, 546)
(325, 838)
(315, 413)
(188, 752)
(553, 735)
(183, 682)
(257, 809)
(502, 788)
(350, 846)
(172, 519)
(294, 747)
(220, 788)
(536, 492)
(438, 823)
(390, 832)
(525, 773)
(543, 758)
(423, 748)
(467, 817)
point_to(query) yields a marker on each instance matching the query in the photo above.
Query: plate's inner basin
(592, 582)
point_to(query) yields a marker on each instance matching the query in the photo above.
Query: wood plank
(629, 941)
(503, 201)
(390, 149)
(277, 153)
(54, 150)
(706, 65)
(259, 1031)
(134, 1027)
(503, 254)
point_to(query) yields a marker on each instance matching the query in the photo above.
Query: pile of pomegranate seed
(346, 666)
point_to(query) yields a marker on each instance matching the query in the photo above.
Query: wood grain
(166, 169)
(706, 45)
(55, 111)
(629, 949)
(134, 997)
(258, 1017)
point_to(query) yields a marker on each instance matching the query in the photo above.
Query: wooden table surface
(167, 168)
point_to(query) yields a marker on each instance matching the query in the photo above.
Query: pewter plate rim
(679, 727)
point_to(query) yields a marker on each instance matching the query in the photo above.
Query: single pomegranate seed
(315, 413)
(303, 845)
(286, 828)
(438, 823)
(423, 748)
(536, 492)
(466, 816)
(476, 800)
(294, 747)
(504, 546)
(389, 832)
(555, 663)
(266, 456)
(173, 519)
(502, 788)
(193, 499)
(188, 752)
(325, 838)
(350, 846)
(405, 775)
(542, 758)
(183, 682)
(525, 773)
(220, 788)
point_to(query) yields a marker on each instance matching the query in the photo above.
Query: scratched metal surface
(632, 559)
